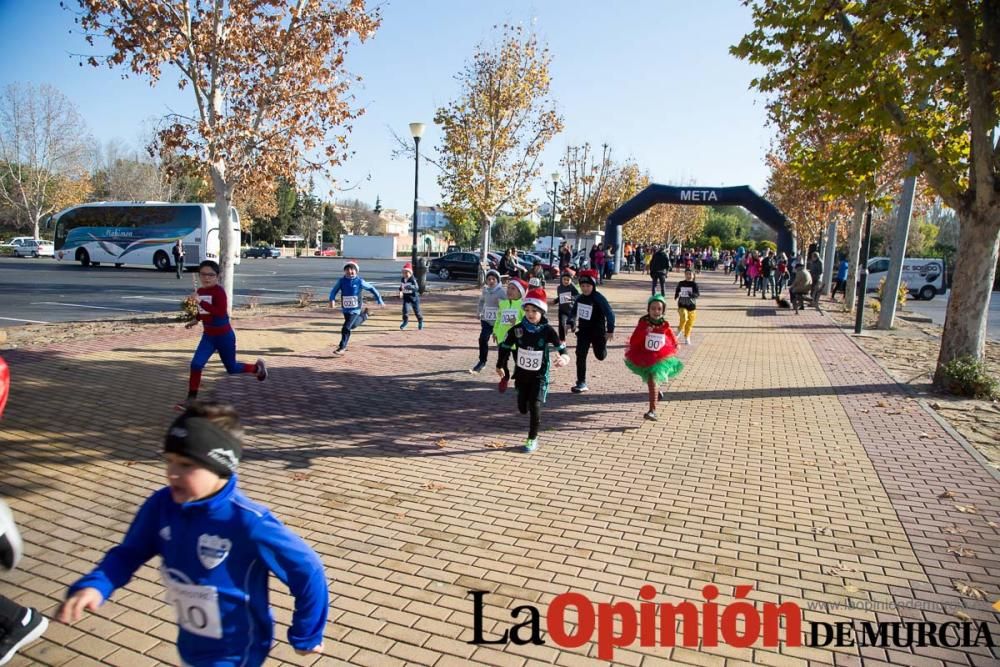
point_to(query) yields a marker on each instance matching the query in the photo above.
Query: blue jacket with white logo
(216, 556)
(351, 287)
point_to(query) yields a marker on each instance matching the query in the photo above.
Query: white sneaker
(687, 340)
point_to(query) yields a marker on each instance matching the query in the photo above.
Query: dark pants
(600, 273)
(484, 339)
(660, 278)
(564, 324)
(415, 305)
(179, 265)
(529, 402)
(351, 322)
(584, 341)
(225, 345)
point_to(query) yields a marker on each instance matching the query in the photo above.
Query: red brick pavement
(773, 464)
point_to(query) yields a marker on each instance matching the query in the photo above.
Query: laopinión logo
(739, 624)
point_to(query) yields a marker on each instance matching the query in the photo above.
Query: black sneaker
(30, 627)
(11, 547)
(478, 368)
(579, 388)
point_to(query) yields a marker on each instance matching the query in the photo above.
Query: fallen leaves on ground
(822, 530)
(434, 486)
(441, 443)
(954, 530)
(969, 590)
(961, 551)
(300, 476)
(961, 615)
(947, 493)
(967, 509)
(496, 445)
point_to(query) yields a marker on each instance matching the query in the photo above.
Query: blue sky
(653, 79)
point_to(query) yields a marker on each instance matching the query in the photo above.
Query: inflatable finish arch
(742, 195)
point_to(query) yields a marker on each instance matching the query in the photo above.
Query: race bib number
(584, 311)
(407, 288)
(565, 297)
(490, 314)
(685, 292)
(349, 302)
(197, 608)
(655, 341)
(203, 297)
(508, 317)
(530, 360)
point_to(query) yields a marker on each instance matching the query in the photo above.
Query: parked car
(326, 252)
(33, 248)
(529, 258)
(456, 265)
(18, 240)
(263, 251)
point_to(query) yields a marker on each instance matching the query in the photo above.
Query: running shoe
(579, 388)
(365, 313)
(30, 627)
(340, 351)
(261, 370)
(651, 416)
(477, 368)
(403, 325)
(687, 340)
(659, 395)
(420, 324)
(531, 445)
(503, 384)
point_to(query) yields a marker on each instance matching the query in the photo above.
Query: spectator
(658, 270)
(840, 282)
(178, 252)
(816, 270)
(801, 285)
(598, 260)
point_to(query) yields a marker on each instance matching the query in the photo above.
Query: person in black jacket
(595, 326)
(178, 253)
(658, 270)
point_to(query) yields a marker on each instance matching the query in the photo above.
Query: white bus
(141, 233)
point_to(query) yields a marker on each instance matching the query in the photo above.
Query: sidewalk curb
(922, 402)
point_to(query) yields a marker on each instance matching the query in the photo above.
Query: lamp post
(416, 130)
(552, 227)
(862, 286)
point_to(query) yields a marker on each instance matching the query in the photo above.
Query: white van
(924, 277)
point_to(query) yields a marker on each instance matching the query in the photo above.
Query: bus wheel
(83, 257)
(161, 261)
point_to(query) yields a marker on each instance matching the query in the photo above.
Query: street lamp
(416, 130)
(552, 228)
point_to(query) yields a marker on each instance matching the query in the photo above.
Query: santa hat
(589, 276)
(408, 267)
(536, 298)
(353, 263)
(521, 286)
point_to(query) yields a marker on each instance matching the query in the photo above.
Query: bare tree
(44, 150)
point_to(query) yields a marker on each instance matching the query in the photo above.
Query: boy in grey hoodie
(489, 303)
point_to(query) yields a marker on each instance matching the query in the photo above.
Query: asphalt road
(42, 290)
(936, 307)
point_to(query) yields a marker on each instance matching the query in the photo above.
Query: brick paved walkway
(784, 458)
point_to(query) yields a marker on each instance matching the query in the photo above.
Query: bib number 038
(530, 360)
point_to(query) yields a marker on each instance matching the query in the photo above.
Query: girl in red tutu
(651, 350)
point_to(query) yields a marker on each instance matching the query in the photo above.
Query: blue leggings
(225, 345)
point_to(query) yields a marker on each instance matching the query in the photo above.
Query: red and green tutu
(652, 350)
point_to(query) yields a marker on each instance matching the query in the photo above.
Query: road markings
(21, 319)
(154, 298)
(83, 305)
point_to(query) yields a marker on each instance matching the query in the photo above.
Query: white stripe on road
(20, 319)
(153, 298)
(83, 305)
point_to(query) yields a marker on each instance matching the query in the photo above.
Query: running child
(566, 295)
(409, 292)
(595, 326)
(686, 295)
(529, 342)
(351, 303)
(489, 306)
(651, 350)
(217, 549)
(510, 312)
(217, 333)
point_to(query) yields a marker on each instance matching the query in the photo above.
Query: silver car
(33, 248)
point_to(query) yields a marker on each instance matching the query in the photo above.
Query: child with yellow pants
(686, 295)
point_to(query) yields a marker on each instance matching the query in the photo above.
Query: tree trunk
(976, 261)
(227, 240)
(485, 222)
(36, 226)
(854, 251)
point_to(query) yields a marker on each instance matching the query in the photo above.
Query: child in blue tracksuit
(217, 549)
(351, 302)
(409, 292)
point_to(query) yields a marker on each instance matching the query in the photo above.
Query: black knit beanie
(201, 440)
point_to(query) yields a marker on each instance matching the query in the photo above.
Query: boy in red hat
(529, 342)
(409, 292)
(595, 326)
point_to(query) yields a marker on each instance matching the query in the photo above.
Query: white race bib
(685, 292)
(655, 341)
(489, 314)
(530, 360)
(508, 317)
(206, 298)
(349, 302)
(584, 311)
(197, 608)
(565, 297)
(407, 288)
